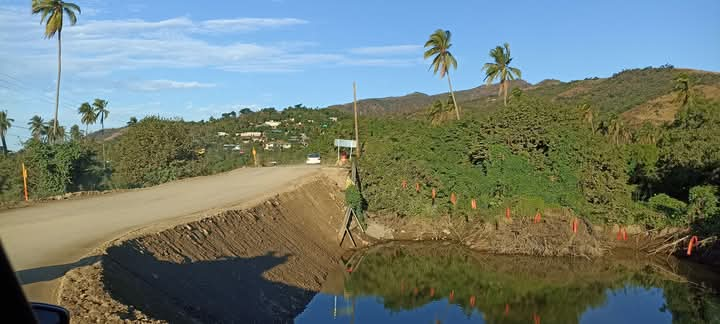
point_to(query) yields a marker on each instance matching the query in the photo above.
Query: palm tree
(102, 112)
(5, 124)
(88, 116)
(616, 130)
(588, 116)
(439, 110)
(682, 89)
(501, 69)
(54, 136)
(439, 46)
(37, 127)
(52, 14)
(75, 134)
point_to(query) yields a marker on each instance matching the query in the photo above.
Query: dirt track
(45, 241)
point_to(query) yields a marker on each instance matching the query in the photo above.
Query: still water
(439, 283)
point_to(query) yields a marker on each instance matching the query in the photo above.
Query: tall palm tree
(52, 14)
(88, 116)
(75, 134)
(682, 89)
(102, 112)
(439, 46)
(5, 124)
(37, 127)
(501, 70)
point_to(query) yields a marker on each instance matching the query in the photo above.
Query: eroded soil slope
(262, 264)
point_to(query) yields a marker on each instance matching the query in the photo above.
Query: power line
(19, 86)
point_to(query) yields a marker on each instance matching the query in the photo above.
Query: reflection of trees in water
(557, 290)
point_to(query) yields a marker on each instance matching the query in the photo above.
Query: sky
(193, 59)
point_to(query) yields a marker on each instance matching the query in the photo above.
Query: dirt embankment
(262, 264)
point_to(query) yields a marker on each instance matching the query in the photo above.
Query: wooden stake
(24, 175)
(357, 136)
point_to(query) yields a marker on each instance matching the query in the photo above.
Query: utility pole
(357, 136)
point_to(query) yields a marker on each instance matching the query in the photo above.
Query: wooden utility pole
(357, 136)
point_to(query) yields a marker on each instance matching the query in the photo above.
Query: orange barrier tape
(507, 212)
(693, 242)
(453, 199)
(473, 204)
(537, 218)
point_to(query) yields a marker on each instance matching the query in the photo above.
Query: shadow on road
(225, 290)
(30, 276)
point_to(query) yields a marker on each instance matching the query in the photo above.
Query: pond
(444, 283)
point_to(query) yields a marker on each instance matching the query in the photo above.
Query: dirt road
(47, 240)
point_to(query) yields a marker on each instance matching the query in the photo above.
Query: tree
(501, 69)
(245, 111)
(439, 46)
(88, 115)
(57, 136)
(52, 14)
(37, 127)
(588, 116)
(101, 111)
(133, 120)
(5, 124)
(438, 111)
(75, 134)
(682, 89)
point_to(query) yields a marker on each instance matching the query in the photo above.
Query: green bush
(674, 209)
(54, 168)
(355, 200)
(703, 202)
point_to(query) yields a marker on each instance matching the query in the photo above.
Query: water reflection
(449, 284)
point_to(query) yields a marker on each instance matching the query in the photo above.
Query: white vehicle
(313, 158)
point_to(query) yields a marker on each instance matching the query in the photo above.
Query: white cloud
(247, 24)
(387, 50)
(157, 85)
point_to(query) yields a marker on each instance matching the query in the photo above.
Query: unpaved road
(47, 240)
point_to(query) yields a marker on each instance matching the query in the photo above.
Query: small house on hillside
(272, 123)
(222, 134)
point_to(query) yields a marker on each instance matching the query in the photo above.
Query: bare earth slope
(47, 240)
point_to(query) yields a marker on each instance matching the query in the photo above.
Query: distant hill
(108, 134)
(418, 101)
(637, 95)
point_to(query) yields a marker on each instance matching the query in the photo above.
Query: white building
(272, 123)
(222, 134)
(251, 134)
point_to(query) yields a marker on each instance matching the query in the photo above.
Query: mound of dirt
(262, 264)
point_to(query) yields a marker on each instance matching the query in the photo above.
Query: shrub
(674, 209)
(703, 202)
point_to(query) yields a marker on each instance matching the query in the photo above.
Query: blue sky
(196, 59)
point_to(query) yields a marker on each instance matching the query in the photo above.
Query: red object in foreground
(624, 234)
(536, 318)
(434, 194)
(537, 218)
(619, 233)
(693, 242)
(472, 301)
(452, 295)
(417, 187)
(432, 292)
(349, 270)
(507, 309)
(453, 199)
(507, 212)
(473, 204)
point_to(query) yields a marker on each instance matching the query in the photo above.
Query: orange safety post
(434, 194)
(624, 234)
(415, 291)
(537, 218)
(24, 175)
(404, 184)
(473, 204)
(619, 233)
(432, 292)
(452, 295)
(536, 318)
(472, 301)
(693, 242)
(507, 212)
(574, 227)
(417, 187)
(507, 309)
(453, 199)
